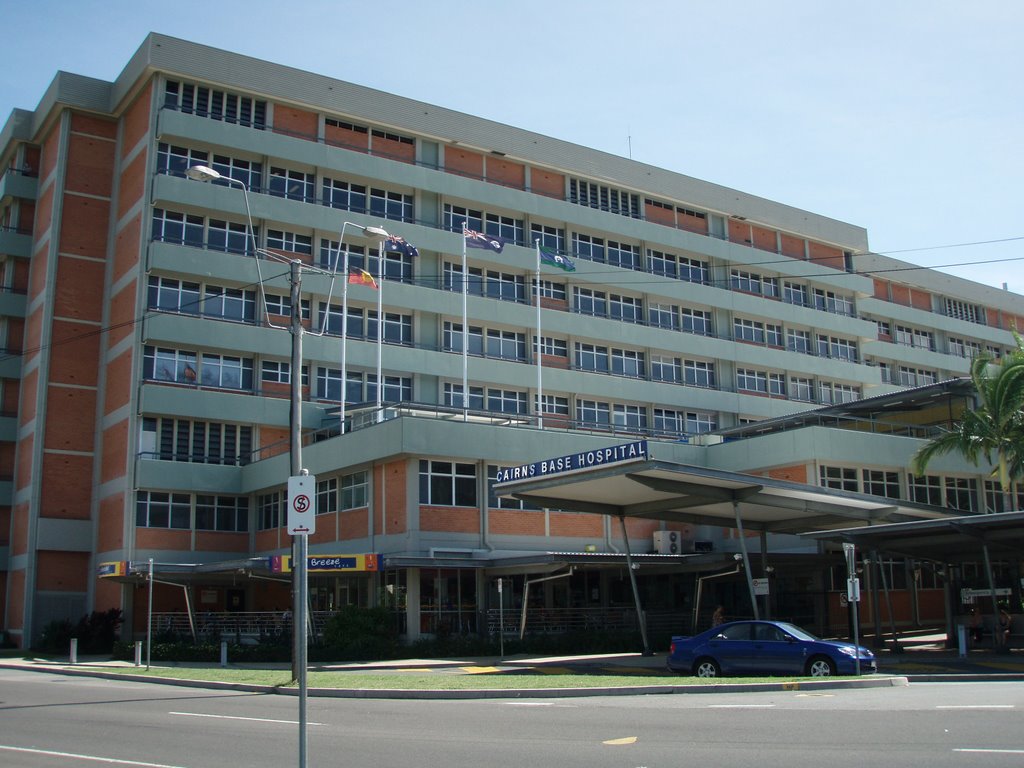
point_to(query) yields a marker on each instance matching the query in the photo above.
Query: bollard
(73, 653)
(961, 639)
(138, 653)
(223, 653)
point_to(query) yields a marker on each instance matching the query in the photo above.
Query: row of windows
(186, 511)
(957, 493)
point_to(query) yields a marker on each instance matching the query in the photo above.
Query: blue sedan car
(765, 648)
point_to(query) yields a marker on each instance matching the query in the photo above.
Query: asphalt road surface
(53, 720)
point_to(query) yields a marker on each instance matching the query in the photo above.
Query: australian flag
(480, 240)
(396, 244)
(548, 256)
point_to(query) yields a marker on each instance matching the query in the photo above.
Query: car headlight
(848, 650)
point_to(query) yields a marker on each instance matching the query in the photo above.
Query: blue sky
(905, 117)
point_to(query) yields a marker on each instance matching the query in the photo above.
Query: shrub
(96, 633)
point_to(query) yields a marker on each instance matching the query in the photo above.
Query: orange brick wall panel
(127, 247)
(295, 122)
(765, 239)
(506, 172)
(83, 228)
(353, 524)
(135, 123)
(43, 217)
(114, 458)
(792, 246)
(273, 436)
(794, 474)
(163, 538)
(70, 419)
(692, 223)
(739, 232)
(881, 289)
(268, 540)
(94, 126)
(107, 596)
(1013, 322)
(554, 361)
(393, 480)
(19, 529)
(50, 149)
(578, 524)
(66, 491)
(222, 541)
(6, 463)
(132, 184)
(921, 300)
(826, 255)
(110, 531)
(123, 314)
(640, 531)
(514, 522)
(118, 384)
(62, 571)
(660, 215)
(26, 221)
(900, 294)
(73, 354)
(343, 137)
(23, 471)
(547, 183)
(90, 166)
(464, 162)
(395, 150)
(450, 519)
(326, 529)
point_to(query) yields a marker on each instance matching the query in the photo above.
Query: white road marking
(740, 706)
(91, 758)
(994, 751)
(233, 717)
(975, 706)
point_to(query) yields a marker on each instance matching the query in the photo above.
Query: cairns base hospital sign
(575, 462)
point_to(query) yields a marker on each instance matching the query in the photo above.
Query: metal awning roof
(683, 493)
(950, 540)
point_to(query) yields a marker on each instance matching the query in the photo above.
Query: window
(344, 195)
(962, 493)
(666, 368)
(269, 509)
(245, 171)
(164, 364)
(179, 228)
(229, 237)
(833, 393)
(916, 377)
(222, 513)
(292, 184)
(590, 302)
(629, 417)
(839, 478)
(391, 205)
(214, 104)
(204, 442)
(798, 341)
(626, 309)
(590, 357)
(913, 337)
(446, 483)
(173, 295)
(456, 217)
(553, 347)
(327, 496)
(663, 316)
(274, 372)
(229, 304)
(748, 330)
(506, 401)
(801, 389)
(961, 310)
(554, 404)
(699, 373)
(505, 227)
(696, 321)
(693, 270)
(278, 304)
(963, 348)
(176, 160)
(355, 490)
(794, 293)
(507, 345)
(289, 241)
(163, 510)
(680, 422)
(552, 290)
(591, 413)
(604, 198)
(226, 372)
(453, 338)
(550, 237)
(748, 380)
(881, 483)
(626, 362)
(589, 248)
(926, 489)
(504, 286)
(829, 301)
(623, 255)
(453, 397)
(503, 502)
(837, 349)
(397, 328)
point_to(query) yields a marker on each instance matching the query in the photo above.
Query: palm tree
(994, 428)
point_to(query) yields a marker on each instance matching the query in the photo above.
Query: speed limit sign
(301, 505)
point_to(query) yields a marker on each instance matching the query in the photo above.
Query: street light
(300, 542)
(367, 232)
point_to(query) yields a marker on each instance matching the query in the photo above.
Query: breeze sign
(574, 462)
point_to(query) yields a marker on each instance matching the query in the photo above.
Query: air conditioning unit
(668, 542)
(703, 546)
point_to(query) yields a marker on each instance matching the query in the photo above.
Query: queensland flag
(361, 277)
(548, 256)
(480, 240)
(396, 244)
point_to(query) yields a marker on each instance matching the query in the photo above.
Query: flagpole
(380, 330)
(465, 331)
(344, 338)
(537, 352)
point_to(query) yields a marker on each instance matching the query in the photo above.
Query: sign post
(301, 523)
(853, 597)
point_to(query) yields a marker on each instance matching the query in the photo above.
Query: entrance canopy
(643, 487)
(951, 540)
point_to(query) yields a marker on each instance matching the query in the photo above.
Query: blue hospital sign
(574, 462)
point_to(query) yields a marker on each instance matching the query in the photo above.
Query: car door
(774, 651)
(732, 647)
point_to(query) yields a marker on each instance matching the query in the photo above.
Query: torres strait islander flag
(548, 256)
(479, 240)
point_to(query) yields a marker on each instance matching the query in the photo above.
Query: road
(53, 720)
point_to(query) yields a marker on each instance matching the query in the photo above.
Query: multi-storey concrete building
(146, 380)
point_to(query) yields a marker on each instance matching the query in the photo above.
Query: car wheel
(707, 668)
(821, 666)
